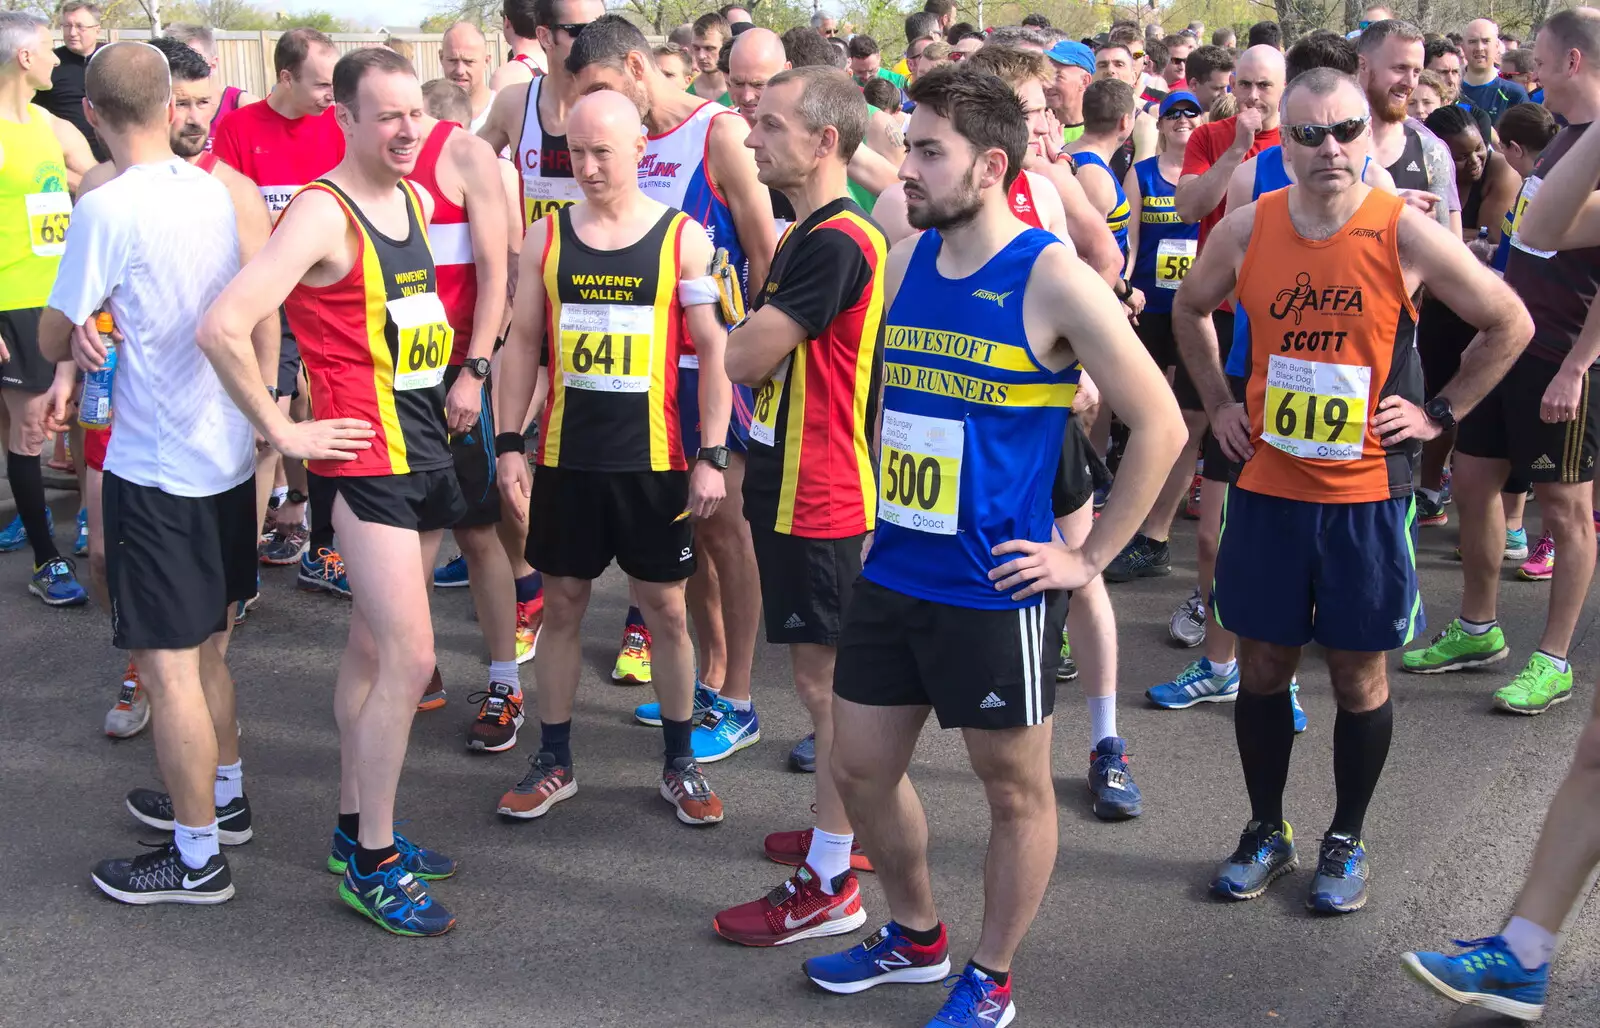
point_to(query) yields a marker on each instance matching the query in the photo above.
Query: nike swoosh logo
(195, 883)
(790, 923)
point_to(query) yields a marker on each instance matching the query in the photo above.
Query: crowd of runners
(894, 364)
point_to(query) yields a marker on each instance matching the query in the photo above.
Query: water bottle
(95, 410)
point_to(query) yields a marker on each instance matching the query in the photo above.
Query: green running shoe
(1538, 688)
(1453, 649)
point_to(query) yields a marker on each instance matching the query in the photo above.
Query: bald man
(609, 486)
(1216, 149)
(1481, 84)
(464, 56)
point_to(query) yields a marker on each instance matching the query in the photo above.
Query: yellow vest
(34, 210)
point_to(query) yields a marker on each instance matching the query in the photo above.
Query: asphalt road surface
(600, 914)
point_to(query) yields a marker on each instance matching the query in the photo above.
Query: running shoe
(1197, 683)
(161, 876)
(1340, 884)
(1143, 557)
(1191, 503)
(1260, 857)
(155, 809)
(1454, 649)
(1487, 974)
(723, 731)
(684, 786)
(1067, 670)
(1100, 494)
(433, 697)
(1187, 626)
(1294, 705)
(798, 909)
(418, 860)
(323, 573)
(792, 848)
(284, 546)
(1516, 545)
(1541, 564)
(546, 784)
(803, 758)
(1116, 797)
(395, 900)
(241, 608)
(131, 713)
(56, 584)
(80, 545)
(704, 698)
(451, 575)
(886, 956)
(1537, 687)
(14, 537)
(633, 660)
(530, 619)
(494, 730)
(975, 1001)
(1430, 512)
(1444, 487)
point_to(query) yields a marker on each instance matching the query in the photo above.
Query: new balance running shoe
(323, 573)
(56, 584)
(14, 537)
(395, 900)
(530, 619)
(1261, 856)
(284, 546)
(494, 730)
(1197, 683)
(792, 848)
(798, 909)
(803, 758)
(1340, 884)
(452, 574)
(546, 784)
(131, 713)
(1143, 557)
(1485, 974)
(161, 876)
(80, 545)
(723, 731)
(1537, 687)
(886, 957)
(154, 808)
(704, 698)
(418, 860)
(1116, 797)
(1455, 648)
(1541, 564)
(633, 660)
(1294, 705)
(1187, 626)
(684, 786)
(975, 1001)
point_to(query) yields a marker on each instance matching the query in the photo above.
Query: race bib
(1314, 410)
(543, 196)
(48, 215)
(919, 472)
(1173, 257)
(607, 347)
(764, 424)
(425, 338)
(1529, 189)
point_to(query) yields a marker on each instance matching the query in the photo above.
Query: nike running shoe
(1187, 626)
(155, 809)
(1340, 884)
(886, 957)
(161, 876)
(1516, 545)
(418, 860)
(1197, 683)
(494, 730)
(684, 786)
(546, 784)
(14, 537)
(1541, 564)
(1454, 649)
(1116, 797)
(1430, 512)
(395, 900)
(704, 698)
(1487, 974)
(803, 758)
(323, 573)
(633, 660)
(1537, 687)
(530, 618)
(284, 546)
(80, 545)
(56, 584)
(433, 697)
(1261, 856)
(451, 575)
(975, 1001)
(798, 909)
(792, 848)
(1067, 670)
(723, 732)
(1143, 557)
(1294, 705)
(131, 713)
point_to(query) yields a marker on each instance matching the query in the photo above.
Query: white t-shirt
(155, 246)
(483, 119)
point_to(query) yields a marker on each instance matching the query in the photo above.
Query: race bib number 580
(919, 473)
(1315, 410)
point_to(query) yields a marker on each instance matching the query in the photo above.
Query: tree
(322, 21)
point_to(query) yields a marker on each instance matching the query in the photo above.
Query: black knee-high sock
(1264, 729)
(1360, 749)
(27, 485)
(322, 493)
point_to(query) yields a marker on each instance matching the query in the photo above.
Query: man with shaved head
(1481, 82)
(1217, 148)
(612, 290)
(464, 56)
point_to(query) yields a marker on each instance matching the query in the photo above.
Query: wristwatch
(716, 456)
(477, 365)
(1440, 412)
(296, 496)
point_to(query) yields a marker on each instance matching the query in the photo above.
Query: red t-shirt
(279, 154)
(1206, 146)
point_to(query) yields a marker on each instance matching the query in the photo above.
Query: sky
(369, 12)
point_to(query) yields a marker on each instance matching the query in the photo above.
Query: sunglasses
(1185, 113)
(1311, 136)
(571, 30)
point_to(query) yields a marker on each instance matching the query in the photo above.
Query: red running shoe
(792, 848)
(797, 909)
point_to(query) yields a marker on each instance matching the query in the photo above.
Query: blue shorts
(744, 405)
(1343, 574)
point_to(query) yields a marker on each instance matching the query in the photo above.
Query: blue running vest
(1117, 220)
(1167, 246)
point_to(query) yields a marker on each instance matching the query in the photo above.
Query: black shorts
(1441, 337)
(420, 501)
(1216, 465)
(976, 668)
(1506, 426)
(1155, 332)
(1079, 474)
(475, 462)
(579, 521)
(805, 584)
(288, 358)
(26, 370)
(174, 564)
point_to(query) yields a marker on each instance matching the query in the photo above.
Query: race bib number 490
(1173, 258)
(425, 339)
(919, 473)
(48, 216)
(1315, 410)
(544, 196)
(607, 347)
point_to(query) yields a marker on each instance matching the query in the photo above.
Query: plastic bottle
(95, 410)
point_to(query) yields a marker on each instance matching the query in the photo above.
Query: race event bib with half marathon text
(607, 347)
(425, 341)
(1316, 410)
(919, 479)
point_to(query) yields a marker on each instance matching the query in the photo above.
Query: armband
(694, 292)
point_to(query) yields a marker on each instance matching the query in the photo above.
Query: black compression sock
(675, 735)
(350, 824)
(556, 740)
(998, 977)
(1263, 727)
(322, 493)
(27, 485)
(368, 861)
(923, 938)
(1360, 749)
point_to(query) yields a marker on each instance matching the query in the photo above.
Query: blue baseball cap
(1172, 100)
(1072, 54)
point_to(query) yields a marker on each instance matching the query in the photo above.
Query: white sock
(1102, 718)
(280, 494)
(743, 706)
(1476, 627)
(1531, 945)
(829, 856)
(230, 782)
(196, 845)
(1560, 663)
(1222, 669)
(504, 672)
(1431, 494)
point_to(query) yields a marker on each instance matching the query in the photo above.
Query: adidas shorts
(805, 584)
(1506, 426)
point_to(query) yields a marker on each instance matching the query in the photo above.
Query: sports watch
(479, 366)
(1440, 413)
(716, 456)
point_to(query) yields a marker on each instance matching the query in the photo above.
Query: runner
(874, 167)
(62, 95)
(1481, 82)
(1390, 55)
(613, 481)
(1122, 60)
(813, 346)
(934, 623)
(1210, 74)
(1108, 114)
(1308, 265)
(709, 83)
(1217, 148)
(464, 56)
(1074, 70)
(229, 98)
(531, 55)
(393, 501)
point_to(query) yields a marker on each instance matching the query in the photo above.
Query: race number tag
(919, 475)
(1173, 257)
(425, 339)
(607, 347)
(48, 215)
(764, 425)
(1529, 189)
(542, 196)
(1314, 410)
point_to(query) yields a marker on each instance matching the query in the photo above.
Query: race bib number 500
(425, 340)
(48, 215)
(919, 474)
(607, 347)
(1314, 410)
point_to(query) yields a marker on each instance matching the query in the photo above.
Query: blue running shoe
(80, 545)
(723, 732)
(55, 583)
(14, 537)
(704, 698)
(803, 758)
(418, 860)
(1299, 711)
(395, 900)
(1487, 975)
(453, 575)
(1340, 884)
(886, 956)
(1197, 683)
(1116, 798)
(1260, 857)
(976, 1001)
(323, 573)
